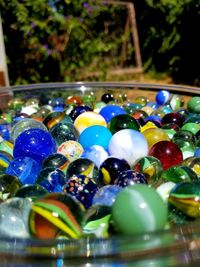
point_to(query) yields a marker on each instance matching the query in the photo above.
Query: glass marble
(128, 144)
(151, 167)
(42, 113)
(25, 168)
(165, 109)
(5, 118)
(16, 103)
(19, 116)
(176, 102)
(82, 188)
(178, 174)
(57, 161)
(95, 135)
(97, 221)
(193, 104)
(72, 150)
(98, 106)
(170, 129)
(162, 97)
(110, 111)
(34, 143)
(197, 152)
(51, 179)
(95, 153)
(56, 214)
(123, 121)
(148, 110)
(184, 135)
(63, 132)
(110, 170)
(191, 127)
(58, 104)
(56, 117)
(130, 177)
(87, 119)
(9, 185)
(29, 110)
(32, 192)
(187, 147)
(192, 117)
(143, 100)
(5, 130)
(14, 214)
(142, 206)
(107, 97)
(185, 197)
(106, 195)
(76, 111)
(74, 100)
(147, 125)
(7, 147)
(24, 125)
(89, 98)
(5, 160)
(140, 116)
(155, 119)
(167, 152)
(32, 101)
(197, 137)
(130, 108)
(173, 117)
(155, 135)
(164, 190)
(194, 163)
(82, 166)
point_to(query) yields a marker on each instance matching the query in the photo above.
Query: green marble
(193, 104)
(185, 197)
(179, 174)
(123, 121)
(139, 209)
(191, 127)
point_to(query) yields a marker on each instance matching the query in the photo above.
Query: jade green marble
(138, 209)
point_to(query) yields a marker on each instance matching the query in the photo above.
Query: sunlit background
(76, 40)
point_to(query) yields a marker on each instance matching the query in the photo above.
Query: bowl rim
(111, 85)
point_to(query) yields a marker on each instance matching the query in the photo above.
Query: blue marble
(34, 143)
(130, 177)
(25, 168)
(52, 179)
(162, 97)
(95, 135)
(110, 111)
(106, 195)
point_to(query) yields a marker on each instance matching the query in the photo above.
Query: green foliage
(169, 39)
(55, 40)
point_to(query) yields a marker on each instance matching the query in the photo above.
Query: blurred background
(76, 40)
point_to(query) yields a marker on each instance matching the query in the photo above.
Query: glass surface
(179, 246)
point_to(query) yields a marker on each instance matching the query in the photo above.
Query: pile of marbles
(79, 167)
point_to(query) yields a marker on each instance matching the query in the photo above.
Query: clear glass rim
(111, 85)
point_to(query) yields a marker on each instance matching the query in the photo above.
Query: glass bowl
(177, 246)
